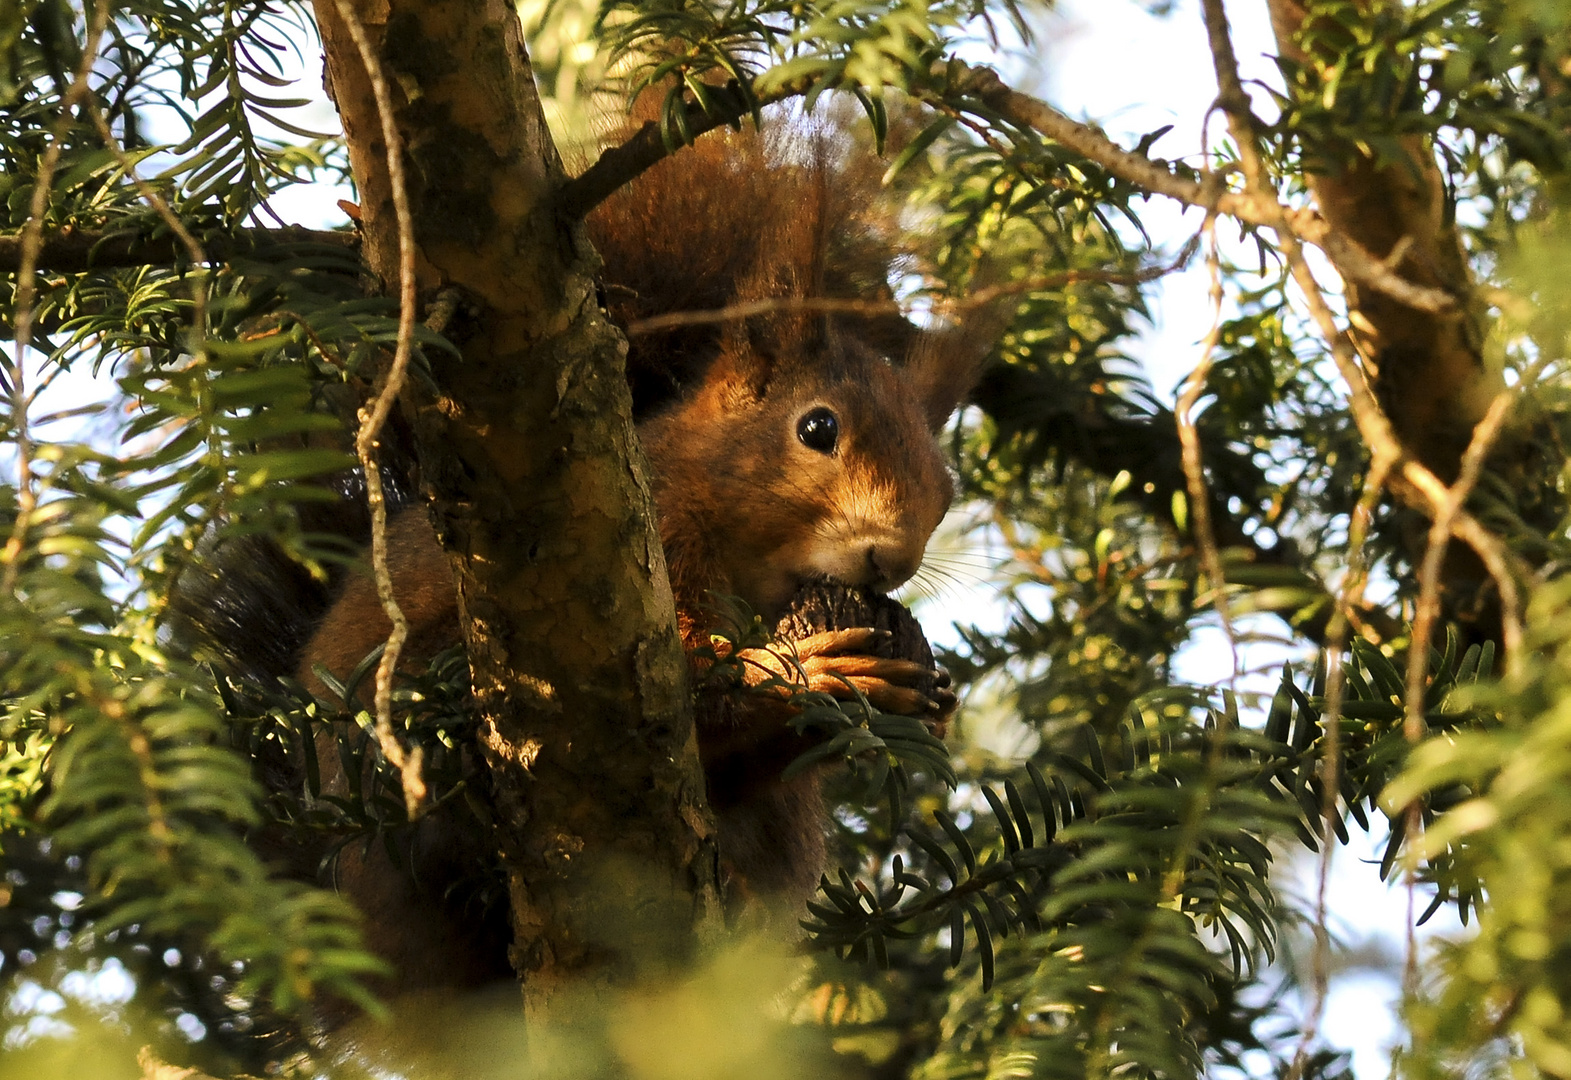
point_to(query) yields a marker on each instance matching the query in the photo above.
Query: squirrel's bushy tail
(248, 607)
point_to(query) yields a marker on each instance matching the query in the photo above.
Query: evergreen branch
(1105, 899)
(13, 374)
(1112, 840)
(141, 787)
(75, 251)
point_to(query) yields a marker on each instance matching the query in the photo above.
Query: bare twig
(1354, 261)
(1428, 613)
(1230, 89)
(1410, 883)
(374, 415)
(828, 305)
(32, 235)
(1386, 452)
(793, 305)
(1504, 567)
(1422, 489)
(1361, 266)
(1349, 600)
(1189, 442)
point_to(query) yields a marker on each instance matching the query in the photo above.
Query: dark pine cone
(828, 605)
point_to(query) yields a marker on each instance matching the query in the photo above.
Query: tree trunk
(537, 483)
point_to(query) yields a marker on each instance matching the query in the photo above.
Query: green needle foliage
(1086, 880)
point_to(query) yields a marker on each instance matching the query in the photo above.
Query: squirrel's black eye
(819, 429)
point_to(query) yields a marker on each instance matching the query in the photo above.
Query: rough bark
(538, 489)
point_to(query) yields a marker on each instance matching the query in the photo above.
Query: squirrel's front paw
(840, 662)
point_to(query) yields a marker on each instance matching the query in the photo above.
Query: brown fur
(745, 507)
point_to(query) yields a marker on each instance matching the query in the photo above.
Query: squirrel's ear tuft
(741, 372)
(740, 217)
(945, 364)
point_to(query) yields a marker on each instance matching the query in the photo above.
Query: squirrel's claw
(858, 639)
(942, 706)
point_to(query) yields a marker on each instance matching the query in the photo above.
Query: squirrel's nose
(888, 567)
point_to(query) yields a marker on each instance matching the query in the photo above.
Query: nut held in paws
(828, 605)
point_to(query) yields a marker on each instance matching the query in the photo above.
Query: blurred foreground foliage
(1090, 886)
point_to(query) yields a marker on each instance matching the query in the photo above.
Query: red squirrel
(784, 448)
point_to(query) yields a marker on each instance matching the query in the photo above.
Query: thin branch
(1414, 727)
(1504, 567)
(32, 233)
(73, 251)
(1360, 266)
(374, 415)
(1355, 262)
(1428, 614)
(1230, 88)
(1189, 443)
(1386, 450)
(828, 305)
(1349, 602)
(1144, 275)
(805, 305)
(1242, 124)
(647, 146)
(1423, 490)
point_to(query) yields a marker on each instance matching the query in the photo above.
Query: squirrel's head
(791, 445)
(804, 456)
